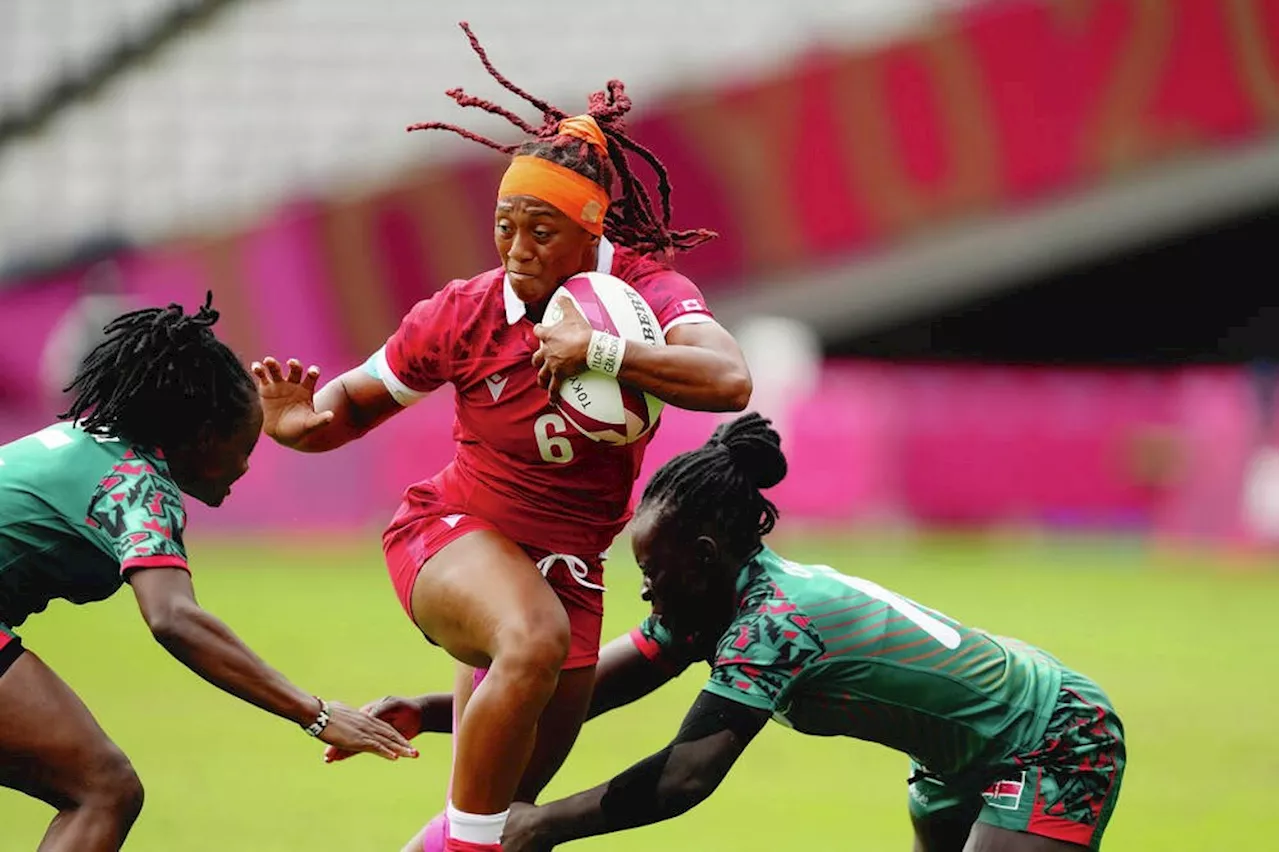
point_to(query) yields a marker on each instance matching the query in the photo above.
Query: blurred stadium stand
(268, 100)
(1011, 181)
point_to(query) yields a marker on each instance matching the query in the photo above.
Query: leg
(567, 710)
(557, 731)
(52, 748)
(432, 836)
(482, 599)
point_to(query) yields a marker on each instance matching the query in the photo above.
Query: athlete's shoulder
(674, 298)
(646, 272)
(767, 597)
(771, 628)
(453, 312)
(479, 288)
(632, 266)
(463, 296)
(73, 446)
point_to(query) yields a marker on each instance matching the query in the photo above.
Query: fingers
(539, 357)
(265, 371)
(312, 376)
(269, 371)
(391, 741)
(544, 376)
(403, 749)
(333, 754)
(391, 750)
(389, 747)
(541, 332)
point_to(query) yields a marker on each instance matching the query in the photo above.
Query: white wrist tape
(604, 353)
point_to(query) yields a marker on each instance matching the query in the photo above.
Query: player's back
(50, 546)
(871, 664)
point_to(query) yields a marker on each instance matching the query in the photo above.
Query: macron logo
(452, 520)
(496, 383)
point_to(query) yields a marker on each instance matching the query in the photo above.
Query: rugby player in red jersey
(498, 558)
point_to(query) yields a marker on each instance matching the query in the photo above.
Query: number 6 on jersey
(549, 431)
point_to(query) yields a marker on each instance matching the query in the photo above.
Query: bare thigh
(482, 592)
(51, 747)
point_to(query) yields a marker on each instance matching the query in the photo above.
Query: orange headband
(580, 198)
(584, 127)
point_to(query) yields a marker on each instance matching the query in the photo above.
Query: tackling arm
(208, 647)
(662, 786)
(203, 643)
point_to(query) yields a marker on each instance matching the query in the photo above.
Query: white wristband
(604, 353)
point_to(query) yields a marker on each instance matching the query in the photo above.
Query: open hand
(403, 714)
(288, 407)
(353, 731)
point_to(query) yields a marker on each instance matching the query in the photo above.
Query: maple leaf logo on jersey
(496, 383)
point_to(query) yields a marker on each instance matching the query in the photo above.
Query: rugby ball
(597, 404)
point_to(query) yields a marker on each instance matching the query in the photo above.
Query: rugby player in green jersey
(161, 408)
(1010, 750)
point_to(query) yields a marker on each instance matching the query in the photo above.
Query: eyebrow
(531, 210)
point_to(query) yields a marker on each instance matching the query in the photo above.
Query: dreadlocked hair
(718, 485)
(632, 220)
(158, 377)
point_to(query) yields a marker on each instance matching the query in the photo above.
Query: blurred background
(1002, 270)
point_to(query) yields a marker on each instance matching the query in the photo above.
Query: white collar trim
(515, 307)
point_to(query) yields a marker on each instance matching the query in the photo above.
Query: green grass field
(1184, 644)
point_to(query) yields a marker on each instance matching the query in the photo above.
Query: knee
(113, 784)
(533, 648)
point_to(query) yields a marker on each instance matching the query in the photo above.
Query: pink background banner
(1129, 450)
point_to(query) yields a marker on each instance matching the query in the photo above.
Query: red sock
(455, 845)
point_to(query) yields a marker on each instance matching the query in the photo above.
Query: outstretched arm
(662, 786)
(208, 647)
(623, 675)
(298, 416)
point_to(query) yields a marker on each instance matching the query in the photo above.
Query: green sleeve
(137, 508)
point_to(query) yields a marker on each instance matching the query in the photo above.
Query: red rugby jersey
(519, 465)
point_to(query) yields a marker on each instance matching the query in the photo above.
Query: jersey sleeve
(675, 300)
(416, 359)
(658, 645)
(760, 657)
(139, 510)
